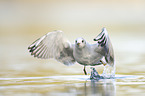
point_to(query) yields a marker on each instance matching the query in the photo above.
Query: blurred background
(23, 21)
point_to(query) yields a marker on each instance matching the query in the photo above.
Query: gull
(54, 45)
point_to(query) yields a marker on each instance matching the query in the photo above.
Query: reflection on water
(57, 86)
(72, 85)
(97, 88)
(23, 21)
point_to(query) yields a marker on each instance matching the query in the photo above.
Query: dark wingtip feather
(32, 49)
(101, 38)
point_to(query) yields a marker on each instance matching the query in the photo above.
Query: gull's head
(80, 42)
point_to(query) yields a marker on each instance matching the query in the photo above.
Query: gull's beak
(78, 44)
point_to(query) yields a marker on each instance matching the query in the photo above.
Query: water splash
(108, 73)
(95, 75)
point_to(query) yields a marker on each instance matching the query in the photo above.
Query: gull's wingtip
(104, 30)
(102, 34)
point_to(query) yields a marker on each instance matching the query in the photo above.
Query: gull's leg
(103, 62)
(85, 70)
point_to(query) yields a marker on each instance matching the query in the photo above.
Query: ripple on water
(55, 80)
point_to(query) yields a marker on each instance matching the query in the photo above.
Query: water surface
(73, 85)
(22, 22)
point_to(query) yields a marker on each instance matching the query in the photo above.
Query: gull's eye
(82, 41)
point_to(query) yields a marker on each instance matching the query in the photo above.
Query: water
(22, 22)
(72, 85)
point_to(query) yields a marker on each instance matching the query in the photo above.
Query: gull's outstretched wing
(105, 46)
(53, 45)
